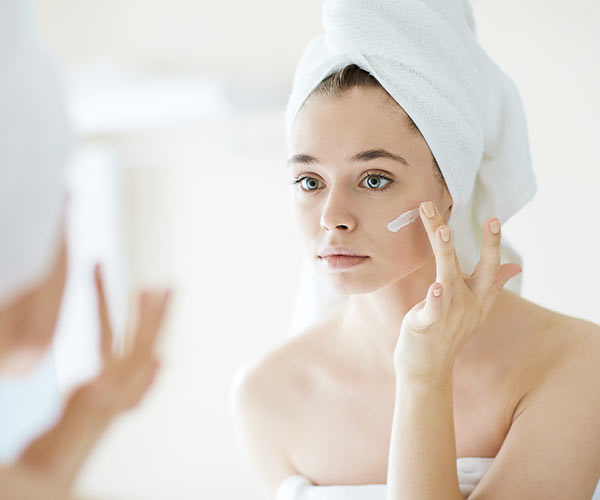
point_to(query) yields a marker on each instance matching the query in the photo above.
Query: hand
(124, 379)
(436, 328)
(60, 452)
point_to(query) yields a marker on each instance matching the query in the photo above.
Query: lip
(341, 258)
(329, 251)
(342, 261)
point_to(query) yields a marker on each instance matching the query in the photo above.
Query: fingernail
(445, 232)
(437, 292)
(428, 209)
(495, 226)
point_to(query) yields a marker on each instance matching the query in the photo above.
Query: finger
(106, 334)
(141, 381)
(505, 273)
(152, 311)
(130, 381)
(448, 270)
(489, 261)
(433, 310)
(428, 311)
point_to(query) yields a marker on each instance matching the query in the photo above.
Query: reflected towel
(34, 147)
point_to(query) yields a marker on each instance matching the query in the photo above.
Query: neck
(374, 319)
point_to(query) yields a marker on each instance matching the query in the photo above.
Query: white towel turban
(34, 143)
(426, 56)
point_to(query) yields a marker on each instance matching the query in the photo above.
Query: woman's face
(341, 201)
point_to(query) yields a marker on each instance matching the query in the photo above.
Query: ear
(447, 204)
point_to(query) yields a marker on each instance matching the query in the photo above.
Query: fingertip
(436, 289)
(516, 270)
(494, 225)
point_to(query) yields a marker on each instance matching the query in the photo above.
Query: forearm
(62, 450)
(422, 460)
(18, 482)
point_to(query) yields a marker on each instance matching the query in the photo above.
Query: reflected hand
(123, 380)
(436, 328)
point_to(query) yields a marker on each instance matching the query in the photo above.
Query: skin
(432, 334)
(329, 403)
(51, 462)
(28, 321)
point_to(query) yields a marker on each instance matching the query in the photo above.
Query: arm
(422, 460)
(61, 451)
(18, 482)
(552, 449)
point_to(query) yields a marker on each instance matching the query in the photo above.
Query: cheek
(305, 216)
(409, 246)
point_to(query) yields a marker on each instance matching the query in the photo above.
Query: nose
(336, 213)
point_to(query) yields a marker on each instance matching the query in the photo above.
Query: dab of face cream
(405, 219)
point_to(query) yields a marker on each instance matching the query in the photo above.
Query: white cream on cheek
(403, 220)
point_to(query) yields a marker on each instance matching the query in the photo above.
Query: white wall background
(203, 197)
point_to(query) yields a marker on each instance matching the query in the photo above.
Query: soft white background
(179, 178)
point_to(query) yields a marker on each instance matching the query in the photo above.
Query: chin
(353, 281)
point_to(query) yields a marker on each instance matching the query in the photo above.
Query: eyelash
(298, 180)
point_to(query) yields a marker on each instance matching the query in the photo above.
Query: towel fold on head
(34, 146)
(426, 56)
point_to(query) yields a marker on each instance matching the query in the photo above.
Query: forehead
(359, 118)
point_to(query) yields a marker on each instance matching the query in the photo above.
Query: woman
(434, 381)
(33, 265)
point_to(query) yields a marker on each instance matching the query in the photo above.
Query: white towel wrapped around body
(426, 56)
(470, 470)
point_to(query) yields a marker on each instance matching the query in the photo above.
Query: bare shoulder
(265, 399)
(579, 344)
(545, 329)
(283, 375)
(567, 349)
(556, 420)
(575, 339)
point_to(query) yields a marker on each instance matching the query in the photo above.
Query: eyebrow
(371, 154)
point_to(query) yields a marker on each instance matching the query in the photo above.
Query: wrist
(423, 383)
(85, 406)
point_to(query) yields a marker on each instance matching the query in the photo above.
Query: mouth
(342, 261)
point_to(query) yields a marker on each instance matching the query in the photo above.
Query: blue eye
(311, 183)
(374, 182)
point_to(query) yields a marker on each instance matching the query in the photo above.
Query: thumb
(428, 311)
(506, 272)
